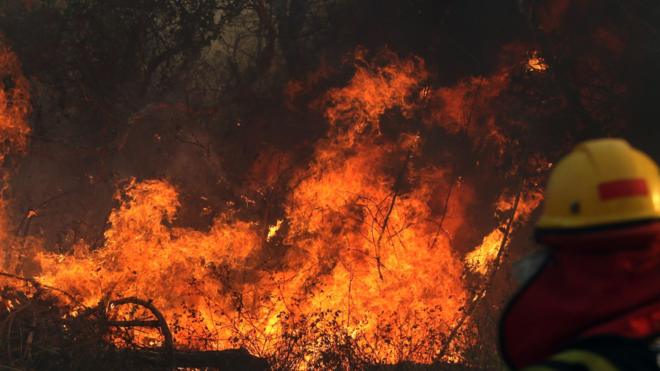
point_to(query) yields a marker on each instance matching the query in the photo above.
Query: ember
(536, 63)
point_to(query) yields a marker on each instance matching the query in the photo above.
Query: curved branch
(168, 343)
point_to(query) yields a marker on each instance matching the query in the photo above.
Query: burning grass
(44, 328)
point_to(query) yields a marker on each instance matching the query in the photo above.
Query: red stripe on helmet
(623, 188)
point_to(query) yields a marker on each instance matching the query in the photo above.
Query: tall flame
(481, 258)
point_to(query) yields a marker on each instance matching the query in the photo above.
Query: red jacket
(600, 283)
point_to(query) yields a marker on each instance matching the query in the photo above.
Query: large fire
(363, 249)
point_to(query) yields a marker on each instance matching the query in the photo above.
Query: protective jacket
(589, 310)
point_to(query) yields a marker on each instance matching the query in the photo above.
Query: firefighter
(594, 303)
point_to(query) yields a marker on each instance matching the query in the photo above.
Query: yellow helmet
(603, 183)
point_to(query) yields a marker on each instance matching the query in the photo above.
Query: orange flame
(372, 90)
(354, 246)
(273, 229)
(535, 63)
(482, 257)
(14, 105)
(14, 131)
